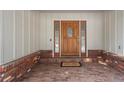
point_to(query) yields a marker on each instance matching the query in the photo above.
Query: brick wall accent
(114, 60)
(12, 71)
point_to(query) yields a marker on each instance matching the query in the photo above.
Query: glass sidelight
(56, 37)
(83, 36)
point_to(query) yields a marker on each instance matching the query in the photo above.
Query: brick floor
(89, 72)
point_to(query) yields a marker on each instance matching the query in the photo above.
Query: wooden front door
(70, 38)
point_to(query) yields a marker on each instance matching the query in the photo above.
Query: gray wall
(95, 28)
(20, 34)
(24, 32)
(114, 32)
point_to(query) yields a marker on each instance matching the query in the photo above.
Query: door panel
(69, 38)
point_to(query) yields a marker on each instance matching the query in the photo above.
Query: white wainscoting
(1, 50)
(20, 31)
(114, 32)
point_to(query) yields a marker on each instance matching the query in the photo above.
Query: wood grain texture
(70, 45)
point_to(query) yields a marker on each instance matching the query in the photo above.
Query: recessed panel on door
(70, 38)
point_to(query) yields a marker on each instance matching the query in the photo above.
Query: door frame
(80, 53)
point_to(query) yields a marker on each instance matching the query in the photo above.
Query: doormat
(71, 64)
